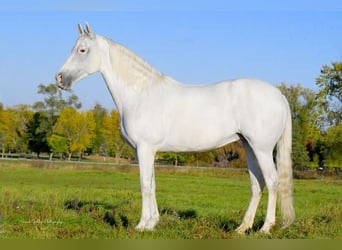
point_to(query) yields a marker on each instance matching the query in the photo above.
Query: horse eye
(82, 51)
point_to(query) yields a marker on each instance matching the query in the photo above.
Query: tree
(330, 88)
(4, 126)
(21, 114)
(333, 141)
(99, 113)
(306, 120)
(58, 145)
(37, 132)
(13, 128)
(47, 111)
(78, 129)
(55, 102)
(114, 144)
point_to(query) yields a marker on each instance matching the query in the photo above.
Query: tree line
(58, 127)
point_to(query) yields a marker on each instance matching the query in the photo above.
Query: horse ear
(80, 29)
(89, 32)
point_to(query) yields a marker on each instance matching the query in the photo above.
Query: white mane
(132, 69)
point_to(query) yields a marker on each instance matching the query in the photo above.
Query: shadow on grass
(115, 220)
(106, 212)
(226, 225)
(182, 214)
(75, 204)
(230, 225)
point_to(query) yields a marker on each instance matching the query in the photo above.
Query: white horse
(160, 114)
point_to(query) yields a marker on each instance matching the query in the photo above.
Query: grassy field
(58, 200)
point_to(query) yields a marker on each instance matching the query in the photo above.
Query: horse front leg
(149, 214)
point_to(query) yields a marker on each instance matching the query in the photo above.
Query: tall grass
(47, 200)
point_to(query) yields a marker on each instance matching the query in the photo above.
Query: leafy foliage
(55, 102)
(305, 120)
(98, 146)
(37, 130)
(330, 88)
(114, 143)
(13, 132)
(77, 128)
(47, 111)
(58, 144)
(333, 143)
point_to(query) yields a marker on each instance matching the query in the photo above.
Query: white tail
(284, 170)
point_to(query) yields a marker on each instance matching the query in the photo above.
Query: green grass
(59, 200)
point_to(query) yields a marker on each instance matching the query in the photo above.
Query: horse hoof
(266, 229)
(242, 229)
(147, 225)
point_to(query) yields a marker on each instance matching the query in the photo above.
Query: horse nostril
(59, 77)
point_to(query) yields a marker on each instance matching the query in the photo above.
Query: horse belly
(200, 144)
(198, 131)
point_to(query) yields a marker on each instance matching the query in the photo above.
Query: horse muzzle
(60, 82)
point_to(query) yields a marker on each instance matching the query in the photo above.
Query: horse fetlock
(243, 228)
(266, 227)
(147, 225)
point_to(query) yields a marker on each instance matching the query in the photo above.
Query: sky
(192, 41)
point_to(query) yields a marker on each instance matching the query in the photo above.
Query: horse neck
(132, 69)
(128, 75)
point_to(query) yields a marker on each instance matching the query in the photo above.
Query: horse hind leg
(257, 185)
(267, 166)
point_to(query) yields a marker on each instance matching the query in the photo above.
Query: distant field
(70, 201)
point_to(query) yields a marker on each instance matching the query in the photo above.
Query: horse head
(83, 60)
